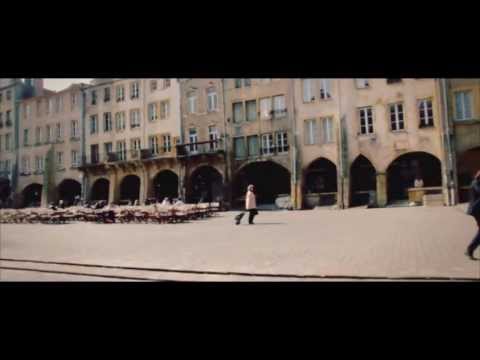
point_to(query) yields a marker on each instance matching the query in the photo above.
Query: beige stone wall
(41, 118)
(7, 105)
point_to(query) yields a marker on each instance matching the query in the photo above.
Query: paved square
(386, 243)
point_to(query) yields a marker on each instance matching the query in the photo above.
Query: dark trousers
(476, 240)
(251, 215)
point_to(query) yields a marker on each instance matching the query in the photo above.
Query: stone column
(381, 189)
(144, 186)
(346, 192)
(114, 189)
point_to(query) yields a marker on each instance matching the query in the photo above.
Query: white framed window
(252, 143)
(74, 158)
(327, 129)
(59, 159)
(153, 144)
(108, 148)
(308, 92)
(193, 139)
(396, 117)
(9, 95)
(135, 146)
(366, 120)
(106, 94)
(310, 132)
(239, 147)
(267, 144)
(93, 124)
(25, 137)
(192, 103)
(8, 166)
(48, 134)
(212, 99)
(238, 83)
(26, 165)
(28, 111)
(213, 137)
(121, 150)
(463, 105)
(279, 108)
(93, 97)
(59, 103)
(325, 89)
(73, 101)
(152, 111)
(74, 131)
(166, 83)
(94, 154)
(134, 118)
(59, 131)
(39, 163)
(247, 82)
(120, 93)
(251, 106)
(8, 142)
(362, 83)
(134, 90)
(282, 142)
(107, 122)
(38, 135)
(265, 108)
(425, 112)
(153, 85)
(167, 143)
(164, 109)
(237, 112)
(120, 121)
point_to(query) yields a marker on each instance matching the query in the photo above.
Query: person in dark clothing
(474, 210)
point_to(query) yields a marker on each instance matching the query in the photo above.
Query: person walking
(250, 206)
(474, 210)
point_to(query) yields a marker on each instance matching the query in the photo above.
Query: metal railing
(201, 147)
(119, 156)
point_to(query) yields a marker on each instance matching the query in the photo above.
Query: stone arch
(32, 195)
(363, 180)
(130, 188)
(100, 190)
(403, 170)
(320, 183)
(68, 190)
(468, 163)
(165, 184)
(205, 184)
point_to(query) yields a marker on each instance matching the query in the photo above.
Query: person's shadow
(270, 223)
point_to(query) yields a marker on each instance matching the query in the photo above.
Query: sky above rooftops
(60, 84)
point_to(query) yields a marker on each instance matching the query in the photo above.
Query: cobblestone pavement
(372, 243)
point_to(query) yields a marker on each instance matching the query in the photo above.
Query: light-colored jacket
(250, 202)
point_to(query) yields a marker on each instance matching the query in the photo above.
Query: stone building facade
(302, 142)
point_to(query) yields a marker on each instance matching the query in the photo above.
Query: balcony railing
(272, 151)
(198, 148)
(119, 156)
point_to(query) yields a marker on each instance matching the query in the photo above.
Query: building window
(282, 142)
(38, 135)
(325, 89)
(268, 146)
(193, 138)
(108, 148)
(8, 118)
(39, 108)
(120, 93)
(93, 124)
(237, 112)
(192, 103)
(153, 144)
(327, 129)
(153, 85)
(213, 137)
(49, 134)
(164, 109)
(9, 95)
(134, 119)
(212, 99)
(74, 129)
(59, 132)
(463, 105)
(238, 83)
(28, 111)
(73, 101)
(136, 145)
(239, 146)
(152, 111)
(394, 81)
(107, 122)
(279, 109)
(135, 90)
(265, 108)
(425, 111)
(253, 149)
(93, 97)
(167, 143)
(396, 117)
(26, 165)
(50, 106)
(166, 83)
(1, 97)
(362, 83)
(366, 120)
(59, 160)
(94, 155)
(25, 137)
(58, 104)
(74, 158)
(106, 94)
(39, 163)
(122, 150)
(8, 142)
(308, 90)
(247, 82)
(251, 110)
(120, 120)
(310, 132)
